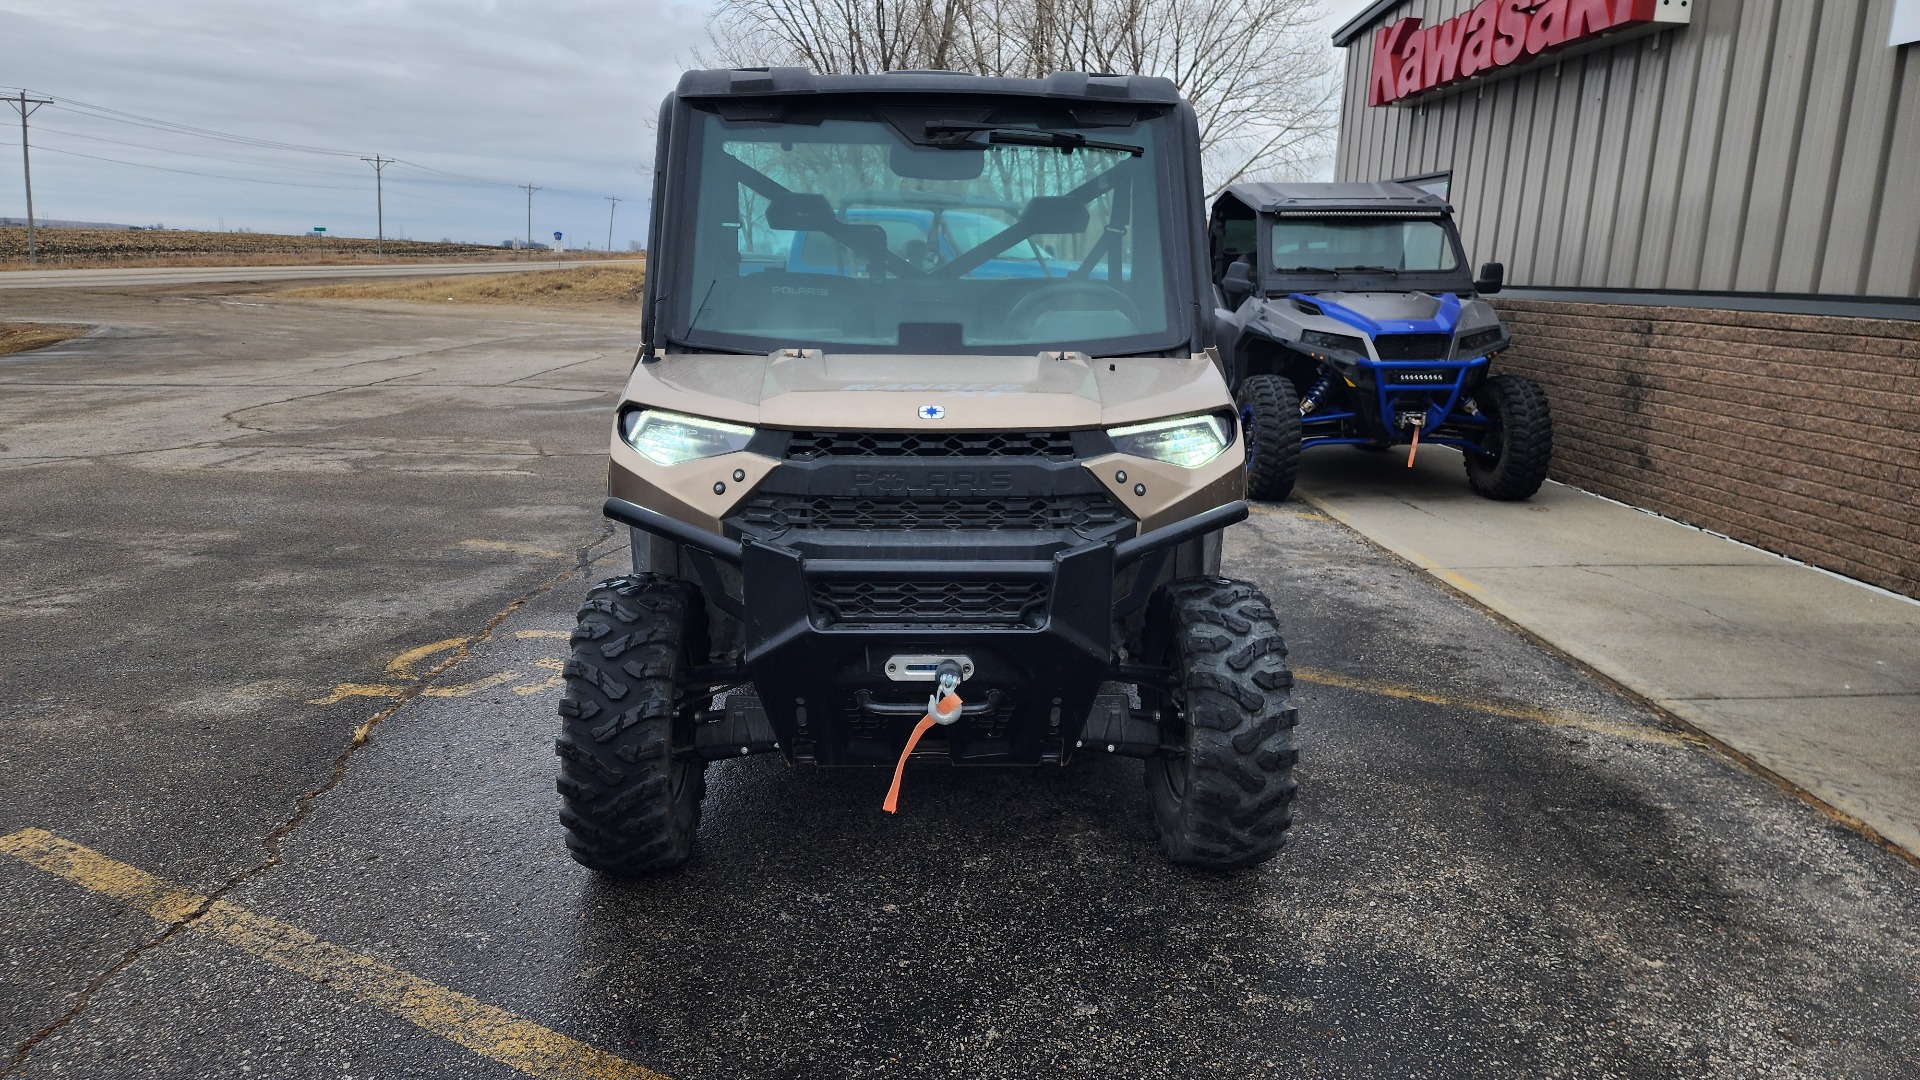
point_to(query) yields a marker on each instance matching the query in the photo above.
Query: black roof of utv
(1327, 198)
(1064, 85)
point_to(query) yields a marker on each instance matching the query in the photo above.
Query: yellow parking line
(347, 690)
(477, 685)
(488, 1031)
(561, 634)
(1558, 718)
(402, 665)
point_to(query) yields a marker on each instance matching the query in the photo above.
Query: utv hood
(806, 389)
(1389, 312)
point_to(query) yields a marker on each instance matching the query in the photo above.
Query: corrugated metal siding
(1770, 146)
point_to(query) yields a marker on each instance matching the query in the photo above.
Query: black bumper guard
(733, 551)
(816, 678)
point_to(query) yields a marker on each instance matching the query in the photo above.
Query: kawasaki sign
(1500, 37)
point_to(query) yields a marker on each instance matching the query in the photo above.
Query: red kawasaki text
(1409, 59)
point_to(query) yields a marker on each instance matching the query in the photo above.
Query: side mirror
(1492, 276)
(1238, 280)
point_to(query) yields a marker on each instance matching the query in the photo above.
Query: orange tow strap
(1416, 446)
(948, 706)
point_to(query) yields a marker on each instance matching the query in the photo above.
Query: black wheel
(1227, 801)
(630, 802)
(1520, 448)
(1270, 423)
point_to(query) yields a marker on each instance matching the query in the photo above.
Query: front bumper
(818, 632)
(1383, 392)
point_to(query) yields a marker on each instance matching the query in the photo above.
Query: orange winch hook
(943, 707)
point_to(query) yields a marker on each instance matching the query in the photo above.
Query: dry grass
(21, 337)
(229, 258)
(86, 248)
(579, 286)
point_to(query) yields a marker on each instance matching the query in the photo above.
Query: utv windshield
(1396, 244)
(856, 229)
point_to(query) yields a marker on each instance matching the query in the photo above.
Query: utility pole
(530, 190)
(614, 200)
(26, 107)
(379, 203)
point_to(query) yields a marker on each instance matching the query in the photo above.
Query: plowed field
(122, 247)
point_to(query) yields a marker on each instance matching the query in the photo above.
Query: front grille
(929, 603)
(1413, 346)
(772, 513)
(807, 445)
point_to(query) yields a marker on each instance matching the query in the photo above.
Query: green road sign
(319, 228)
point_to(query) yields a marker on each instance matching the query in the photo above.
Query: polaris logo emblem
(934, 483)
(932, 412)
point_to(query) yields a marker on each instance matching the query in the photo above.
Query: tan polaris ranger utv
(925, 456)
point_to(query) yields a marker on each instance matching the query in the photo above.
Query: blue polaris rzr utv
(1346, 316)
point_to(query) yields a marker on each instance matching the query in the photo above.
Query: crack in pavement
(230, 416)
(303, 804)
(594, 359)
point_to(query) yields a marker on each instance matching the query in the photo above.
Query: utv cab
(1346, 317)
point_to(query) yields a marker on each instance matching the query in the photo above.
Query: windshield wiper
(1304, 270)
(1366, 270)
(1068, 141)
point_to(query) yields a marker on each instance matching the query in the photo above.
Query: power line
(190, 172)
(101, 112)
(189, 153)
(458, 176)
(216, 157)
(26, 107)
(124, 117)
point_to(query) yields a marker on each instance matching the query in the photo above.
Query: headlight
(1321, 340)
(1480, 341)
(666, 438)
(1188, 442)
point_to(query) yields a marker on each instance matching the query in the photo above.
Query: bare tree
(1257, 72)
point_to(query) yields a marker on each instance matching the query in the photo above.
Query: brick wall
(1799, 434)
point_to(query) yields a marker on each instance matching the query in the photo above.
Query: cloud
(556, 94)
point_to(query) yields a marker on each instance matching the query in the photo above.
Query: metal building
(1709, 214)
(1743, 145)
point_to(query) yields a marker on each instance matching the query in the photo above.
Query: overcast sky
(555, 93)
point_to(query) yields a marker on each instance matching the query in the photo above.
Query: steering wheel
(1026, 314)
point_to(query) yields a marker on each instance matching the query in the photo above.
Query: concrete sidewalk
(1811, 676)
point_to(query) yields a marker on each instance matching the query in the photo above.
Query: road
(200, 275)
(241, 529)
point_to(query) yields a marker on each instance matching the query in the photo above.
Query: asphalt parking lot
(241, 531)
